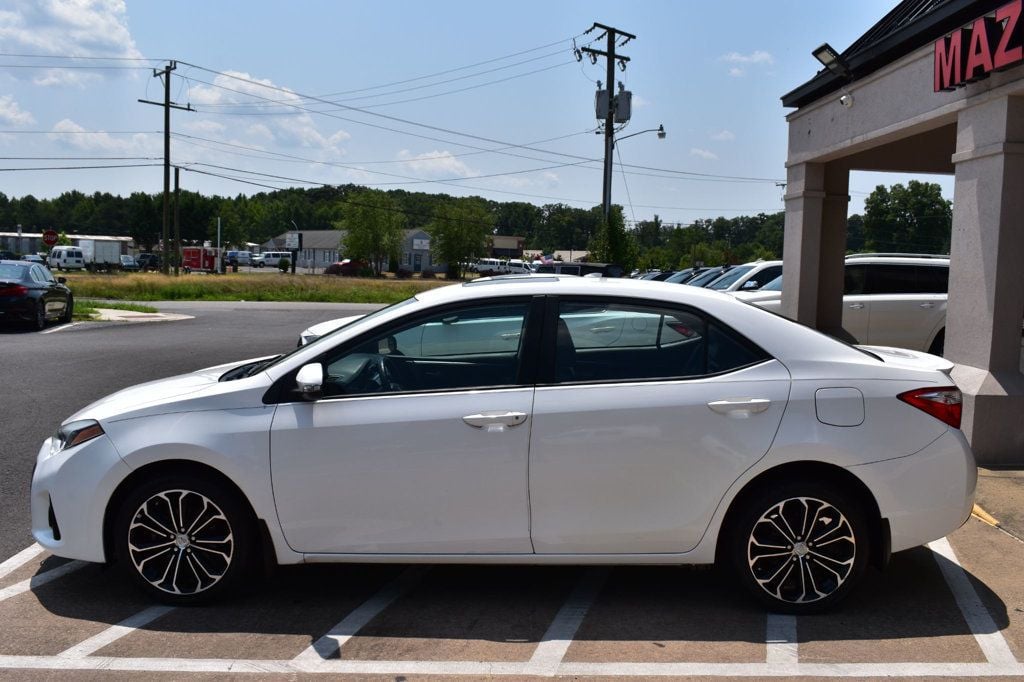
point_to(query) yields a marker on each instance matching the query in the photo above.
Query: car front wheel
(185, 540)
(800, 547)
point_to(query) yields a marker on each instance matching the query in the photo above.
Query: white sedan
(534, 420)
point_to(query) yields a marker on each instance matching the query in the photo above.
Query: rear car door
(856, 301)
(647, 415)
(905, 304)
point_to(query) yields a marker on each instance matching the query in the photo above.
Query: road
(48, 376)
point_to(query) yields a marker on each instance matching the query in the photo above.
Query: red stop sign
(50, 237)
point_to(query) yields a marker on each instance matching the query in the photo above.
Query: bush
(427, 274)
(366, 272)
(403, 273)
(284, 265)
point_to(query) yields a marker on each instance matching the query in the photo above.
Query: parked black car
(28, 292)
(148, 261)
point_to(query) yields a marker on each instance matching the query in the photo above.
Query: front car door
(420, 442)
(647, 416)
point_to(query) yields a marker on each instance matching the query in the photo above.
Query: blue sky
(712, 73)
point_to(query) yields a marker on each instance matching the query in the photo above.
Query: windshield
(708, 276)
(730, 277)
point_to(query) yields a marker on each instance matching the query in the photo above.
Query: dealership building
(936, 86)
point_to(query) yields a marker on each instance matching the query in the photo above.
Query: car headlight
(75, 433)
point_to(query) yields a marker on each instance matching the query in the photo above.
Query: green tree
(373, 224)
(612, 243)
(459, 232)
(911, 218)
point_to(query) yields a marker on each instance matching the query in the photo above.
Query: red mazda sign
(991, 43)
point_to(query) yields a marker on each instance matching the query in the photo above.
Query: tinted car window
(726, 280)
(854, 280)
(474, 347)
(12, 272)
(933, 279)
(626, 342)
(762, 277)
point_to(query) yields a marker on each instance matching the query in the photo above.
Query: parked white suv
(888, 300)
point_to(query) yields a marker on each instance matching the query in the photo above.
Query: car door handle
(495, 421)
(740, 408)
(856, 306)
(927, 305)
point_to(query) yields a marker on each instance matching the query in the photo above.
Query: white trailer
(100, 253)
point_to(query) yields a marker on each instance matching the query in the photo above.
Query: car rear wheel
(40, 318)
(69, 310)
(800, 547)
(185, 540)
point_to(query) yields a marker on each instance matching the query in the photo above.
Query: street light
(832, 61)
(660, 130)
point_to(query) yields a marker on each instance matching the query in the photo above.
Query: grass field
(86, 310)
(245, 287)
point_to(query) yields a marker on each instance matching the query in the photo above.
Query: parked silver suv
(889, 299)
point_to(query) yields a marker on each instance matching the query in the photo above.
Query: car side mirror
(310, 381)
(62, 280)
(749, 284)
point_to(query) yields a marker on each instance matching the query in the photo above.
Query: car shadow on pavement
(502, 612)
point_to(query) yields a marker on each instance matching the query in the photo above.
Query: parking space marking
(781, 642)
(549, 653)
(62, 327)
(978, 619)
(20, 559)
(329, 645)
(40, 579)
(116, 632)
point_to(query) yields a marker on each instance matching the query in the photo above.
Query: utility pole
(612, 35)
(177, 227)
(167, 104)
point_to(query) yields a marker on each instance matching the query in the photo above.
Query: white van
(67, 258)
(273, 258)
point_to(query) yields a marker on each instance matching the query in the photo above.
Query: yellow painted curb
(984, 516)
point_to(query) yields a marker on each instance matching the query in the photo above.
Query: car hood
(176, 393)
(910, 359)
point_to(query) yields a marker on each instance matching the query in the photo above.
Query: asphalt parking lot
(952, 609)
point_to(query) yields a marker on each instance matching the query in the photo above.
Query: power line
(504, 144)
(70, 56)
(97, 67)
(417, 87)
(79, 158)
(80, 132)
(39, 168)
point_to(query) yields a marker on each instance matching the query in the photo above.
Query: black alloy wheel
(800, 547)
(185, 540)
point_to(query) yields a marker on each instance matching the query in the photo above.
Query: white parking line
(496, 668)
(60, 328)
(984, 629)
(115, 632)
(781, 642)
(39, 579)
(330, 644)
(549, 653)
(20, 559)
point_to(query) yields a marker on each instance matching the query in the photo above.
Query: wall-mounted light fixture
(831, 60)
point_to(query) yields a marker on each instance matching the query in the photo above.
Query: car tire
(39, 322)
(208, 555)
(776, 531)
(69, 310)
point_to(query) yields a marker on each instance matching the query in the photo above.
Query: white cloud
(261, 131)
(736, 72)
(83, 28)
(755, 57)
(723, 136)
(203, 126)
(435, 164)
(298, 130)
(703, 153)
(12, 113)
(69, 135)
(641, 102)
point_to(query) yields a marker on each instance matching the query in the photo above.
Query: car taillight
(13, 290)
(944, 403)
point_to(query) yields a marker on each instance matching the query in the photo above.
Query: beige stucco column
(986, 281)
(817, 195)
